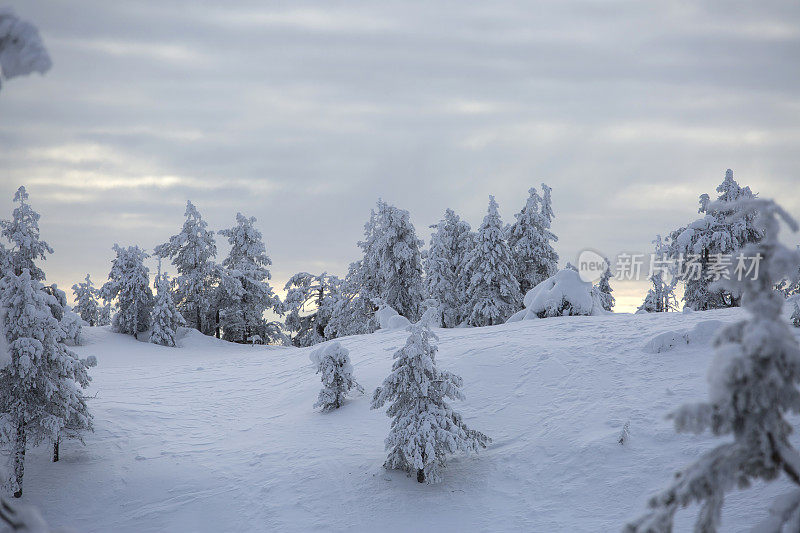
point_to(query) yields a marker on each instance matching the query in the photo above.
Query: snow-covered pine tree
(424, 426)
(192, 252)
(605, 288)
(129, 283)
(493, 289)
(547, 209)
(352, 308)
(104, 316)
(753, 384)
(21, 49)
(391, 270)
(166, 317)
(392, 260)
(309, 304)
(710, 236)
(86, 301)
(243, 314)
(444, 264)
(333, 362)
(661, 297)
(23, 233)
(41, 384)
(529, 239)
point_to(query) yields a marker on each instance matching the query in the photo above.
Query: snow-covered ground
(214, 436)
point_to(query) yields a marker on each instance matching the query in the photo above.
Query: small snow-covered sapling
(333, 362)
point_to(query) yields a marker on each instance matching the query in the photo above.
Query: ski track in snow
(220, 437)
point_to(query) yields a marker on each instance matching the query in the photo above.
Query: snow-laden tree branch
(21, 49)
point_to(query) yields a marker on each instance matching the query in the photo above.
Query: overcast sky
(302, 114)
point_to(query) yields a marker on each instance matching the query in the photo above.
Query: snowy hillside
(215, 436)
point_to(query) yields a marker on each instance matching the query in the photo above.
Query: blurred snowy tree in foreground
(753, 384)
(21, 49)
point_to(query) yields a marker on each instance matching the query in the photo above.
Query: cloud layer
(304, 113)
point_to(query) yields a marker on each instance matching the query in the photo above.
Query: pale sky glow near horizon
(303, 114)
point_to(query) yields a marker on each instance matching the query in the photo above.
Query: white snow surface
(214, 436)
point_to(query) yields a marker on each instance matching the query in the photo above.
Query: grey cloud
(303, 113)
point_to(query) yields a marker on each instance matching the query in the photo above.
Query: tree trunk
(55, 449)
(217, 329)
(199, 326)
(19, 458)
(421, 475)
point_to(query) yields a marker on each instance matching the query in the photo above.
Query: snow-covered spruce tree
(705, 239)
(309, 305)
(21, 49)
(23, 233)
(753, 384)
(392, 264)
(129, 283)
(192, 252)
(41, 384)
(333, 362)
(529, 239)
(166, 317)
(390, 270)
(661, 297)
(104, 316)
(444, 264)
(69, 322)
(493, 289)
(86, 301)
(605, 288)
(242, 315)
(424, 426)
(352, 308)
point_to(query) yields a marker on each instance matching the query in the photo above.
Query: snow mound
(388, 318)
(701, 333)
(563, 294)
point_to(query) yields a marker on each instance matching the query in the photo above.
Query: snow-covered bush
(333, 362)
(387, 317)
(493, 289)
(424, 427)
(21, 49)
(753, 384)
(562, 295)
